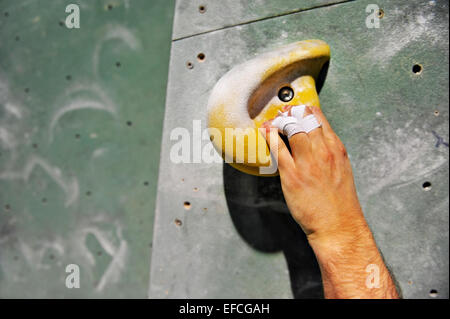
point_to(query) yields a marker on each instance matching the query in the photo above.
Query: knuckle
(337, 146)
(341, 147)
(328, 156)
(331, 141)
(342, 150)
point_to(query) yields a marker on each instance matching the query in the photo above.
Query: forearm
(319, 189)
(351, 264)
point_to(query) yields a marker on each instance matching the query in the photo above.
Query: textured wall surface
(81, 124)
(80, 130)
(386, 95)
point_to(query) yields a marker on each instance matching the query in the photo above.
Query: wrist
(342, 237)
(344, 257)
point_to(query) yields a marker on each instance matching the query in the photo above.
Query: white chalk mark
(6, 139)
(13, 110)
(116, 32)
(117, 265)
(388, 46)
(75, 105)
(93, 88)
(118, 254)
(98, 152)
(68, 185)
(99, 101)
(36, 255)
(397, 160)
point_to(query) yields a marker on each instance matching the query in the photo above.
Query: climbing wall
(80, 130)
(220, 233)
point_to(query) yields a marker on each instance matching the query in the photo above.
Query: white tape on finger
(298, 111)
(309, 123)
(290, 125)
(286, 125)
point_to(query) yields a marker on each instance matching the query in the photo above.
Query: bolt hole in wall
(202, 9)
(426, 186)
(201, 57)
(417, 69)
(187, 205)
(433, 293)
(178, 222)
(380, 13)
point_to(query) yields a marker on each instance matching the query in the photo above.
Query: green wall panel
(80, 130)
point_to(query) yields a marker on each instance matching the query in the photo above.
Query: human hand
(317, 180)
(319, 189)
